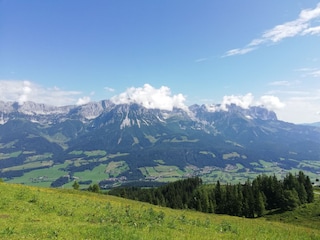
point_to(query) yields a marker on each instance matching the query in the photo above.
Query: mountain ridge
(138, 143)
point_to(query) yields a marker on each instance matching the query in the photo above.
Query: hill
(112, 144)
(43, 213)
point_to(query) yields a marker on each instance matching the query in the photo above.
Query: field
(42, 213)
(98, 165)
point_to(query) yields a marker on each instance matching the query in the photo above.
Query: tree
(239, 200)
(259, 206)
(309, 190)
(259, 198)
(290, 200)
(302, 193)
(220, 198)
(94, 188)
(248, 200)
(75, 185)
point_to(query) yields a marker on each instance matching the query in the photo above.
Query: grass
(43, 213)
(114, 169)
(183, 139)
(307, 215)
(44, 177)
(95, 153)
(101, 172)
(41, 177)
(165, 172)
(232, 155)
(233, 173)
(10, 155)
(208, 153)
(29, 165)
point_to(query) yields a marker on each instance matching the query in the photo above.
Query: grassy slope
(305, 215)
(43, 213)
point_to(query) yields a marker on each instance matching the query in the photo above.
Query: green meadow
(28, 212)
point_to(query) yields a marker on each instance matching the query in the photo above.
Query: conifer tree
(259, 204)
(239, 200)
(309, 190)
(290, 200)
(302, 193)
(218, 196)
(75, 185)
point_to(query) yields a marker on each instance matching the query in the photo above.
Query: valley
(120, 144)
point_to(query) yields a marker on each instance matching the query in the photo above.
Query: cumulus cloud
(246, 101)
(271, 102)
(151, 98)
(26, 91)
(302, 109)
(241, 101)
(83, 100)
(22, 91)
(301, 26)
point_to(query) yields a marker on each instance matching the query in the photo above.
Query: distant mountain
(116, 143)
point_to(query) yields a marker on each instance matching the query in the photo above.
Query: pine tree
(290, 200)
(302, 193)
(248, 200)
(309, 190)
(259, 204)
(204, 200)
(75, 185)
(239, 200)
(218, 196)
(95, 188)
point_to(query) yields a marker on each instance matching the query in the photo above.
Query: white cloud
(300, 26)
(238, 51)
(246, 101)
(313, 72)
(151, 98)
(301, 104)
(26, 91)
(22, 91)
(83, 100)
(301, 109)
(109, 89)
(289, 29)
(280, 83)
(312, 31)
(271, 102)
(201, 60)
(241, 101)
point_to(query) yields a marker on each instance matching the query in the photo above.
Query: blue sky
(177, 52)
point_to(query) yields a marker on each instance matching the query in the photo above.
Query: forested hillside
(251, 199)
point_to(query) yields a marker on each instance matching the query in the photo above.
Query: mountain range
(114, 144)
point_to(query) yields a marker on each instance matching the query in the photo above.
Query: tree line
(251, 199)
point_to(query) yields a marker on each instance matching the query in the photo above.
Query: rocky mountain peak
(137, 114)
